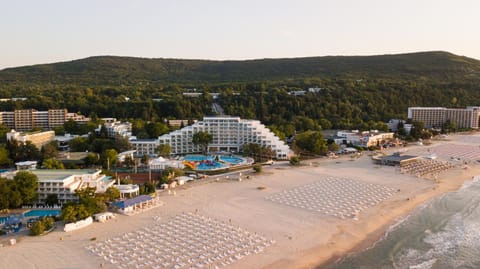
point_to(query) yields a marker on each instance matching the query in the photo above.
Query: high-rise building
(27, 119)
(229, 135)
(435, 117)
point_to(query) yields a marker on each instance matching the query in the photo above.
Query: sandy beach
(303, 238)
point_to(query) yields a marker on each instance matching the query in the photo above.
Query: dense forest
(355, 91)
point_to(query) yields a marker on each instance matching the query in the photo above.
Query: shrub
(295, 161)
(41, 226)
(37, 228)
(257, 168)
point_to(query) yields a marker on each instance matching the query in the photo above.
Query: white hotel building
(63, 183)
(435, 117)
(229, 135)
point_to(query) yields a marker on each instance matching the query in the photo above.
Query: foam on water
(444, 233)
(424, 265)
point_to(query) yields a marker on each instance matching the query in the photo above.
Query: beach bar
(397, 159)
(133, 205)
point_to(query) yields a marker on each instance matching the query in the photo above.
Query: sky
(35, 32)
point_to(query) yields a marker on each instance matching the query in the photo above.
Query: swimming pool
(197, 158)
(203, 163)
(209, 166)
(42, 213)
(232, 159)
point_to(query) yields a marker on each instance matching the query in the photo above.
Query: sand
(303, 238)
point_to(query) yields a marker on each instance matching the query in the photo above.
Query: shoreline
(379, 234)
(303, 238)
(344, 247)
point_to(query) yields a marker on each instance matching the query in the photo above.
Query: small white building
(126, 154)
(103, 217)
(363, 139)
(161, 163)
(26, 165)
(116, 128)
(63, 141)
(297, 93)
(136, 204)
(128, 190)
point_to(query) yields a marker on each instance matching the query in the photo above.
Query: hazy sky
(45, 31)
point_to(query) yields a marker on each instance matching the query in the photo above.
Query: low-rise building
(116, 128)
(178, 123)
(81, 119)
(39, 139)
(161, 163)
(297, 93)
(64, 182)
(122, 156)
(363, 139)
(63, 141)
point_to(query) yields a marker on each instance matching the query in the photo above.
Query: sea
(441, 234)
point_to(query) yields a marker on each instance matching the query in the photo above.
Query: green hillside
(112, 70)
(357, 92)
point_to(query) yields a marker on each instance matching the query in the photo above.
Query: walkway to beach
(338, 197)
(187, 241)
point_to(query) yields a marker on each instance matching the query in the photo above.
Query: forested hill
(113, 70)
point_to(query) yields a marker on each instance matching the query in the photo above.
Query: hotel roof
(59, 174)
(130, 202)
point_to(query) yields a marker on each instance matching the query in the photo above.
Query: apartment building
(27, 119)
(229, 135)
(435, 117)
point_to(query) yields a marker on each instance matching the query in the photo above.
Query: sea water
(444, 233)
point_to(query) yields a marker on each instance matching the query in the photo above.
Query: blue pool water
(231, 159)
(197, 158)
(208, 162)
(42, 213)
(209, 166)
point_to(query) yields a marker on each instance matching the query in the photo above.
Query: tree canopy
(310, 142)
(202, 139)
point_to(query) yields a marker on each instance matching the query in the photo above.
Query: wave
(467, 184)
(442, 233)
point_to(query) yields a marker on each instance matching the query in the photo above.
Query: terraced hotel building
(229, 135)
